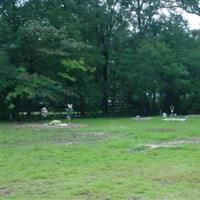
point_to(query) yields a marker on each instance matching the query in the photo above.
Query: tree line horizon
(103, 56)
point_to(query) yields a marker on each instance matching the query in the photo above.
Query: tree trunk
(105, 83)
(82, 106)
(154, 103)
(29, 108)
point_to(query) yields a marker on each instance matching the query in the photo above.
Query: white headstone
(164, 115)
(44, 111)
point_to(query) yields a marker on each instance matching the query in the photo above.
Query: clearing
(101, 159)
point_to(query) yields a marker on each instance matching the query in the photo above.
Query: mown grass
(105, 160)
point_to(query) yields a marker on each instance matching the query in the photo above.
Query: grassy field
(104, 160)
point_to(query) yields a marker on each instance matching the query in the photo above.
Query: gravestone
(44, 112)
(69, 111)
(164, 115)
(171, 110)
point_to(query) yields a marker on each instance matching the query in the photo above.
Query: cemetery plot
(47, 125)
(192, 140)
(114, 159)
(160, 130)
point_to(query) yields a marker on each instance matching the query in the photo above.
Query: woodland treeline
(104, 56)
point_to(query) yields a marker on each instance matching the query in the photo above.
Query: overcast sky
(194, 20)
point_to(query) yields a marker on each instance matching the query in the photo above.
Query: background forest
(104, 56)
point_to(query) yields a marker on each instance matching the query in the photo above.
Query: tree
(110, 56)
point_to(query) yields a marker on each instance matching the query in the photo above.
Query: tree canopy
(104, 56)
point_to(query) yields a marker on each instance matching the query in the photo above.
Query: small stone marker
(164, 115)
(44, 112)
(171, 110)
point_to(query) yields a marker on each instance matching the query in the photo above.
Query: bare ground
(191, 140)
(163, 130)
(4, 191)
(39, 125)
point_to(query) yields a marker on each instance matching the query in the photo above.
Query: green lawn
(105, 160)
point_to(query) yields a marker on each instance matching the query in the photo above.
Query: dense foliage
(103, 56)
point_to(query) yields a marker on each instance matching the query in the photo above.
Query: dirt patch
(142, 118)
(39, 125)
(191, 140)
(160, 130)
(82, 138)
(69, 138)
(4, 191)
